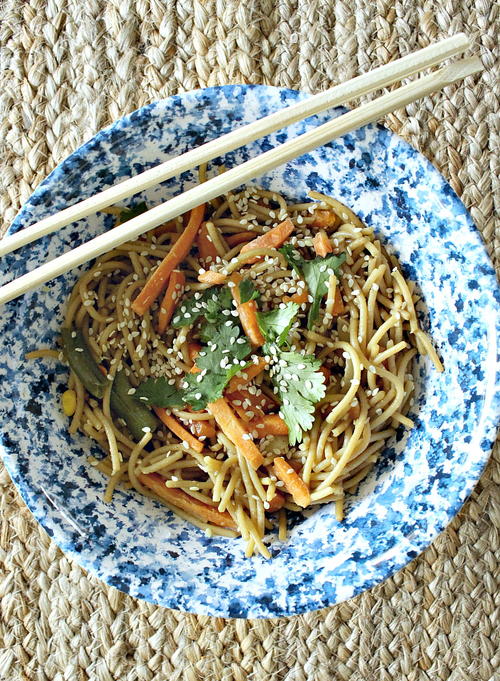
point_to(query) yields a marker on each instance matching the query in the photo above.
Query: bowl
(423, 476)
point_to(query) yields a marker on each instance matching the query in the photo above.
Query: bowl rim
(492, 408)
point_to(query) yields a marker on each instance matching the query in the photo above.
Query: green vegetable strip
(81, 361)
(135, 414)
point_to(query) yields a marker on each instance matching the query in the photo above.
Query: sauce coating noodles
(197, 462)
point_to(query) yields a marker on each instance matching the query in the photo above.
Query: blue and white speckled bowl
(422, 478)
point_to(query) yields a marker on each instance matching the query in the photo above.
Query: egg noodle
(301, 419)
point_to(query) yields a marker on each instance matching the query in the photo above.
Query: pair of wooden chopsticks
(367, 113)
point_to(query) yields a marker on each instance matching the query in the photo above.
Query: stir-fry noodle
(246, 360)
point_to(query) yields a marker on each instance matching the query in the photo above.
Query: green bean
(81, 361)
(135, 414)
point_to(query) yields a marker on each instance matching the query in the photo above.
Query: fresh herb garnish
(208, 304)
(159, 392)
(299, 385)
(248, 291)
(275, 325)
(316, 274)
(132, 212)
(297, 380)
(218, 362)
(293, 257)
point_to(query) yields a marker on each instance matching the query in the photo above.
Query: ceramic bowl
(422, 477)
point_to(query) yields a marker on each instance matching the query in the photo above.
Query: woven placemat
(69, 67)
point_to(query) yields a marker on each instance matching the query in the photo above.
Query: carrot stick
(325, 219)
(248, 317)
(211, 277)
(294, 485)
(240, 238)
(326, 373)
(258, 404)
(338, 303)
(174, 291)
(298, 298)
(204, 429)
(178, 430)
(206, 247)
(193, 350)
(272, 239)
(237, 382)
(277, 502)
(167, 228)
(247, 313)
(176, 497)
(235, 431)
(241, 412)
(269, 424)
(322, 244)
(158, 281)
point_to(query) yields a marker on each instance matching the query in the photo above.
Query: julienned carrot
(172, 295)
(272, 239)
(158, 281)
(248, 317)
(235, 431)
(298, 298)
(203, 429)
(322, 244)
(211, 277)
(193, 350)
(247, 313)
(294, 484)
(326, 373)
(277, 502)
(167, 228)
(238, 382)
(206, 247)
(239, 238)
(325, 219)
(338, 303)
(241, 412)
(269, 424)
(176, 497)
(258, 404)
(178, 430)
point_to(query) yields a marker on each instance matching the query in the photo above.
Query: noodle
(365, 349)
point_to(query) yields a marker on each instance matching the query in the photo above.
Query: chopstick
(248, 170)
(361, 85)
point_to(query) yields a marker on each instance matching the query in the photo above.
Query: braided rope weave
(69, 67)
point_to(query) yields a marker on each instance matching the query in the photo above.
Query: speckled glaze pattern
(422, 478)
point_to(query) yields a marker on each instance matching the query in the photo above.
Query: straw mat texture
(69, 67)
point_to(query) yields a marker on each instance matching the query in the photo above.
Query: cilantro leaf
(189, 310)
(217, 301)
(208, 304)
(132, 212)
(160, 393)
(293, 257)
(208, 388)
(218, 362)
(248, 291)
(316, 275)
(300, 385)
(275, 325)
